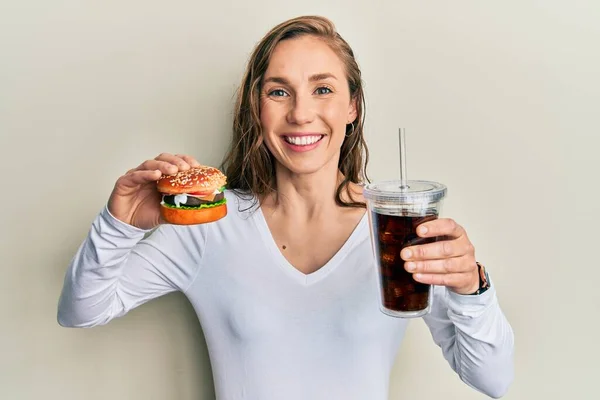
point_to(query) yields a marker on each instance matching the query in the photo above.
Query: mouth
(304, 140)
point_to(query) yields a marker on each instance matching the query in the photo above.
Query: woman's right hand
(135, 200)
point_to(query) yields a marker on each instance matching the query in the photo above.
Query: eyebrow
(313, 78)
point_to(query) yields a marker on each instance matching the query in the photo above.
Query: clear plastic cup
(395, 211)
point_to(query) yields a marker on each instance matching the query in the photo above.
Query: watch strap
(484, 280)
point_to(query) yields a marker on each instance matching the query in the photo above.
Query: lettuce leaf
(218, 203)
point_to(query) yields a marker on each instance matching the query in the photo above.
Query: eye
(278, 93)
(323, 90)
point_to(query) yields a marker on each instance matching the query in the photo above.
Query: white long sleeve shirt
(273, 332)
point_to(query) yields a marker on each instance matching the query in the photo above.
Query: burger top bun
(203, 179)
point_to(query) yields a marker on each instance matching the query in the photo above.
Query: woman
(285, 286)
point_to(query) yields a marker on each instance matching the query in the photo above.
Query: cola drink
(399, 291)
(396, 209)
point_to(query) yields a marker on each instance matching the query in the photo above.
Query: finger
(173, 159)
(189, 159)
(445, 266)
(440, 227)
(165, 167)
(140, 177)
(437, 250)
(450, 280)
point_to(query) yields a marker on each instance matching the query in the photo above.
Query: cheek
(335, 113)
(268, 120)
(272, 115)
(265, 114)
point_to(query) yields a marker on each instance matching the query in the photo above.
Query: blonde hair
(249, 165)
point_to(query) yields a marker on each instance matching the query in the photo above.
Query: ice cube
(415, 301)
(392, 289)
(387, 237)
(389, 255)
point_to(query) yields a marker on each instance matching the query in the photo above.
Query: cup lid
(414, 191)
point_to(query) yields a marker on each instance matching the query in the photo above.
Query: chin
(310, 166)
(303, 169)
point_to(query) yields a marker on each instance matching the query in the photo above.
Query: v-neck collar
(296, 274)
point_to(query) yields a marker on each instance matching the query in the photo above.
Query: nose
(302, 110)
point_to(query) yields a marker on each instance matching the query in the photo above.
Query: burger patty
(192, 201)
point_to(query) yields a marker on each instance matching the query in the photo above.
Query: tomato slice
(200, 193)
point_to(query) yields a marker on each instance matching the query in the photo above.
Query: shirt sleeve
(475, 337)
(119, 267)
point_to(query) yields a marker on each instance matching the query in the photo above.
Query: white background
(500, 101)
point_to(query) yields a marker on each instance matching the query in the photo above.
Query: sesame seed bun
(202, 179)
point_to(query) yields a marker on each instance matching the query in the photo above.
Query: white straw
(402, 144)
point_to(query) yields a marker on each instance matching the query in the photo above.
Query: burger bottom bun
(192, 217)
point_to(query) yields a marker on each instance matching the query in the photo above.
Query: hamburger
(194, 196)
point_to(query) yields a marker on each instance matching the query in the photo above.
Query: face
(305, 105)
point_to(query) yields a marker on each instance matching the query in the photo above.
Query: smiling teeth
(302, 140)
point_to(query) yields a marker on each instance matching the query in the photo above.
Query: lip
(300, 134)
(299, 148)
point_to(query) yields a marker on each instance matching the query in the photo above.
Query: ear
(352, 110)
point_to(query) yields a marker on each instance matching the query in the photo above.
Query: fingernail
(407, 254)
(410, 266)
(423, 230)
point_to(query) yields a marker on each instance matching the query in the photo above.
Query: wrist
(480, 284)
(467, 290)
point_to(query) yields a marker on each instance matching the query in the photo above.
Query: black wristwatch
(484, 280)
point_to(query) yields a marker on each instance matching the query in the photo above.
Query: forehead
(302, 57)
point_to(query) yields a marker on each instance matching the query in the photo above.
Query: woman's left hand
(449, 262)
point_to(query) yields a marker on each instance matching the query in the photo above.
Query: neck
(306, 196)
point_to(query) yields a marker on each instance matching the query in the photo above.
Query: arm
(475, 338)
(116, 269)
